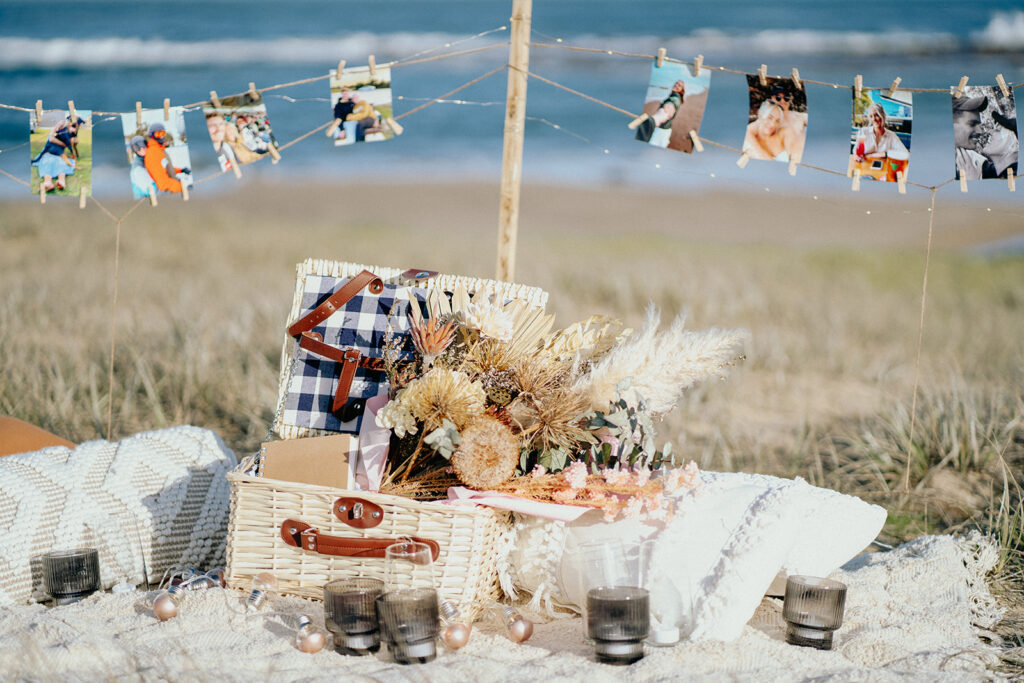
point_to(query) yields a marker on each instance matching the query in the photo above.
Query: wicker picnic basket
(308, 535)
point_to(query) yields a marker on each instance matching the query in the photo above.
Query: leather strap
(301, 535)
(350, 359)
(336, 301)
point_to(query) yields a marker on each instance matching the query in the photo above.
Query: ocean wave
(1003, 33)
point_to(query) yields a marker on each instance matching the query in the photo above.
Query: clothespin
(333, 127)
(762, 74)
(39, 112)
(635, 123)
(81, 198)
(395, 127)
(895, 84)
(184, 192)
(795, 75)
(792, 166)
(275, 156)
(236, 168)
(253, 93)
(214, 100)
(856, 180)
(901, 181)
(742, 161)
(373, 66)
(660, 59)
(138, 114)
(1002, 85)
(858, 86)
(698, 62)
(71, 110)
(849, 167)
(963, 183)
(1011, 180)
(697, 144)
(340, 70)
(167, 109)
(42, 192)
(960, 90)
(152, 198)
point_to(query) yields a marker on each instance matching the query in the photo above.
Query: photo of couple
(157, 151)
(777, 124)
(361, 106)
(674, 104)
(985, 133)
(880, 134)
(239, 129)
(60, 145)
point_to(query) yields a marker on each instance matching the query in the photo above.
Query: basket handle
(301, 535)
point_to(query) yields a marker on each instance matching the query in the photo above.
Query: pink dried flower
(643, 475)
(596, 496)
(576, 475)
(687, 477)
(615, 476)
(634, 507)
(564, 495)
(538, 471)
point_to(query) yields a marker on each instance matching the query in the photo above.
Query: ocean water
(106, 55)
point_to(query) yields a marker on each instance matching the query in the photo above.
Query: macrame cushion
(148, 502)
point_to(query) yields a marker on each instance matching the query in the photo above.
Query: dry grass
(825, 393)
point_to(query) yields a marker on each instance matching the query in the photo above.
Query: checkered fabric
(361, 323)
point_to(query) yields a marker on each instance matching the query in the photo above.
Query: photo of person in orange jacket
(160, 168)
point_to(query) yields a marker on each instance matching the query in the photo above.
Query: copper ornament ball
(312, 642)
(164, 608)
(456, 635)
(520, 630)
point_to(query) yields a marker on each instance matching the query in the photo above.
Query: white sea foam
(1004, 33)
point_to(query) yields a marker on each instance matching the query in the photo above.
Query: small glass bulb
(165, 606)
(309, 638)
(262, 583)
(519, 627)
(456, 631)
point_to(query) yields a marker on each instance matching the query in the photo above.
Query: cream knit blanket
(913, 613)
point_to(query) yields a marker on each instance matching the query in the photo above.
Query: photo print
(61, 152)
(984, 133)
(239, 129)
(157, 151)
(777, 125)
(880, 134)
(361, 105)
(675, 103)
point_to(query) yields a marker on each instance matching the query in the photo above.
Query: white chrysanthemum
(491, 321)
(396, 416)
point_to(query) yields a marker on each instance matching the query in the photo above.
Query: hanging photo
(157, 151)
(675, 104)
(777, 125)
(61, 152)
(880, 134)
(239, 129)
(361, 105)
(985, 133)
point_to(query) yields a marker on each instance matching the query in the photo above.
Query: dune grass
(825, 392)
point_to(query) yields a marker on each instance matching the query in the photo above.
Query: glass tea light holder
(409, 624)
(70, 575)
(618, 621)
(671, 615)
(598, 564)
(813, 610)
(350, 614)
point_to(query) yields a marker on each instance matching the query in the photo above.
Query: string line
(113, 331)
(575, 92)
(451, 92)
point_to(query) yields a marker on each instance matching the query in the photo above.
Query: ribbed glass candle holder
(409, 619)
(70, 575)
(813, 610)
(618, 620)
(350, 614)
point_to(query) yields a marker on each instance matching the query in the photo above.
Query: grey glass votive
(409, 619)
(70, 575)
(618, 621)
(813, 610)
(350, 614)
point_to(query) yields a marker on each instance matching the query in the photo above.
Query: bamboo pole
(512, 154)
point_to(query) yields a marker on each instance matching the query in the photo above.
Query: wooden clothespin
(81, 198)
(167, 109)
(1002, 85)
(275, 156)
(895, 84)
(253, 93)
(742, 161)
(698, 62)
(152, 198)
(762, 74)
(858, 86)
(340, 69)
(42, 192)
(856, 180)
(138, 114)
(184, 192)
(395, 127)
(373, 66)
(697, 144)
(39, 112)
(849, 167)
(795, 75)
(635, 123)
(214, 100)
(333, 127)
(960, 90)
(901, 181)
(660, 59)
(792, 166)
(236, 168)
(71, 110)
(963, 183)
(1011, 180)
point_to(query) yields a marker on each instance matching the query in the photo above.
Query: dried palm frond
(442, 394)
(660, 365)
(487, 455)
(586, 340)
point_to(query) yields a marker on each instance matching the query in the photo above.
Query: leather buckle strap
(301, 535)
(350, 359)
(335, 301)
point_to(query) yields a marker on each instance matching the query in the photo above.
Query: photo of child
(239, 129)
(361, 106)
(675, 103)
(157, 151)
(61, 152)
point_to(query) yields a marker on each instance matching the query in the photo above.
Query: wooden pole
(512, 155)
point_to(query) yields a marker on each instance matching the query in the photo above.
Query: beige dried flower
(487, 455)
(444, 394)
(490, 320)
(431, 338)
(395, 415)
